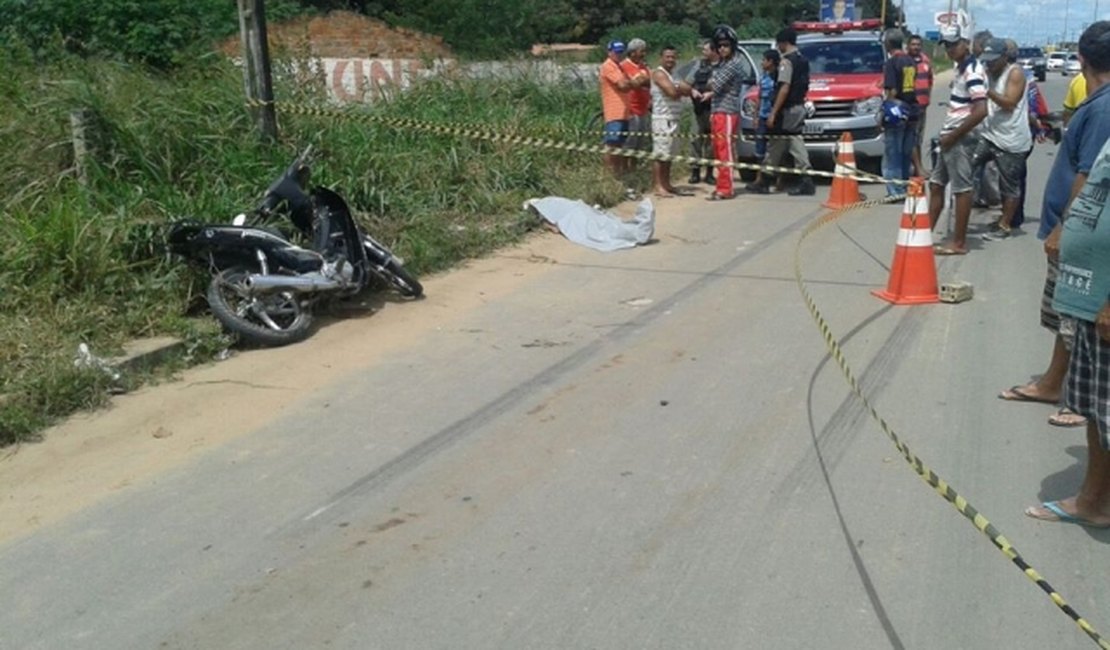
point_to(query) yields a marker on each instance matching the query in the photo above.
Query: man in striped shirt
(967, 107)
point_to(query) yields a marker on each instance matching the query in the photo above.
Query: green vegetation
(85, 263)
(166, 33)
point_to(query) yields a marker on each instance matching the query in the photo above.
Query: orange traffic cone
(845, 188)
(913, 274)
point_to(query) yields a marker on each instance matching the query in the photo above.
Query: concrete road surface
(644, 449)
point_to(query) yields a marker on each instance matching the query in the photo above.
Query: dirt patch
(141, 435)
(346, 35)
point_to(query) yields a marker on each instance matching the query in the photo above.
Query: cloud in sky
(1030, 21)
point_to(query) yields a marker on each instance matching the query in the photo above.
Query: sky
(1029, 22)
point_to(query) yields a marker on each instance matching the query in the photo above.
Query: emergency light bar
(846, 26)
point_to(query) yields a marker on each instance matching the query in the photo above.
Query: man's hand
(1102, 323)
(772, 118)
(947, 140)
(1052, 244)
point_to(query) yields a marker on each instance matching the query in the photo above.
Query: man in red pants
(724, 86)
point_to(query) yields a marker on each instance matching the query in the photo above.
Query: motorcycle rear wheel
(269, 320)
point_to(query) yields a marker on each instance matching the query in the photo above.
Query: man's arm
(786, 72)
(665, 84)
(1015, 89)
(1052, 242)
(978, 112)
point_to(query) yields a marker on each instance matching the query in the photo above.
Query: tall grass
(84, 263)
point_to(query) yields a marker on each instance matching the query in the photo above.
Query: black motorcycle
(264, 286)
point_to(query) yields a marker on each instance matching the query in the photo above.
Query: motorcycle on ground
(263, 286)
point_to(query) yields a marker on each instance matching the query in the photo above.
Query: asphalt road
(646, 449)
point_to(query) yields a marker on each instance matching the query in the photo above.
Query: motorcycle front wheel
(401, 280)
(268, 319)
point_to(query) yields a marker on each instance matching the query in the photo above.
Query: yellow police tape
(942, 487)
(741, 136)
(484, 133)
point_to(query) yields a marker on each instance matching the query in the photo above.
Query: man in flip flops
(1081, 242)
(967, 106)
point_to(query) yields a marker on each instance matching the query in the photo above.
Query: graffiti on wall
(365, 80)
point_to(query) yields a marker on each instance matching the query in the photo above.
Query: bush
(684, 37)
(159, 33)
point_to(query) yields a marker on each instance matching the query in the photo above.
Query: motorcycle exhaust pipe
(310, 283)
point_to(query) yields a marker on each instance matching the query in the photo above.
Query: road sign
(932, 35)
(945, 18)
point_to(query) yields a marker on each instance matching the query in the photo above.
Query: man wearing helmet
(724, 88)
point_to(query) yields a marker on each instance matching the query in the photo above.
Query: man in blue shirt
(1080, 149)
(1083, 294)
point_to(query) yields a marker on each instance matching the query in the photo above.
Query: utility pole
(257, 80)
(1067, 7)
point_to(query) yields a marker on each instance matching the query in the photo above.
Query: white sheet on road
(589, 226)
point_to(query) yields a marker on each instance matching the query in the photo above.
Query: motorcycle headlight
(748, 108)
(868, 106)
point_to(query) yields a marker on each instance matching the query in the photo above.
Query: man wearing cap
(616, 85)
(639, 98)
(1006, 137)
(967, 106)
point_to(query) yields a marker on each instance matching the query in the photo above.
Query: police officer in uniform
(698, 78)
(788, 115)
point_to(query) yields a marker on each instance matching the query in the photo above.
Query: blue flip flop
(1061, 516)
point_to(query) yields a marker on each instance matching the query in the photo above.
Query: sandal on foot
(716, 196)
(948, 250)
(1018, 394)
(1066, 417)
(1056, 513)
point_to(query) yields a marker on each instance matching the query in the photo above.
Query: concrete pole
(256, 65)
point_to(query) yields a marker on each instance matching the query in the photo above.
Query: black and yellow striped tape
(484, 133)
(942, 487)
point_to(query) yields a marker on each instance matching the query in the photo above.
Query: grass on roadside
(84, 263)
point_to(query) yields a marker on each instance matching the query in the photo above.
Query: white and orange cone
(913, 273)
(845, 188)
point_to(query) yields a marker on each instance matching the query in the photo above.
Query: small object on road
(663, 402)
(956, 291)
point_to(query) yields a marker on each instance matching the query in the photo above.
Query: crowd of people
(995, 113)
(638, 101)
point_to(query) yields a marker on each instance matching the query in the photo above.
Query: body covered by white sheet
(595, 228)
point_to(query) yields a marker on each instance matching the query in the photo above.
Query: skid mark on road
(545, 379)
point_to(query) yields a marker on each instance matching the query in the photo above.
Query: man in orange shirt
(639, 99)
(616, 87)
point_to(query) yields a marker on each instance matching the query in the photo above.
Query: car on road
(1056, 61)
(845, 92)
(1033, 58)
(1072, 65)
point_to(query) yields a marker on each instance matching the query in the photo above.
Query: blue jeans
(760, 141)
(898, 142)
